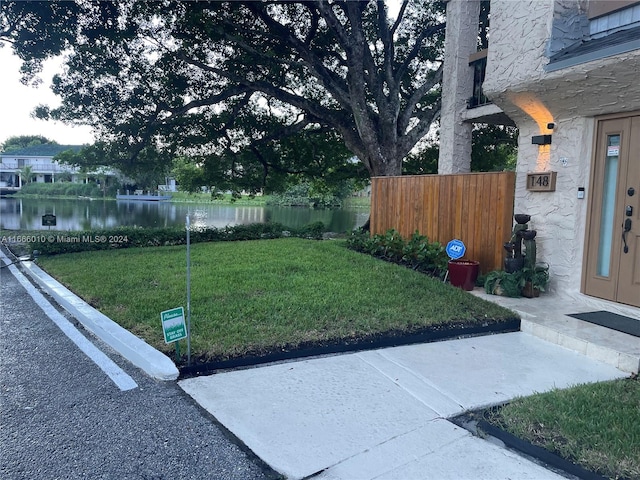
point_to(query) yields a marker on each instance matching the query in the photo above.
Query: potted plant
(506, 284)
(463, 273)
(534, 280)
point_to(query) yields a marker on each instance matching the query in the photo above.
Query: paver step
(546, 318)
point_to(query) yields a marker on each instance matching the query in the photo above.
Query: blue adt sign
(455, 249)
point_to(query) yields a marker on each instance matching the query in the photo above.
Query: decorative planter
(463, 273)
(521, 218)
(510, 247)
(530, 291)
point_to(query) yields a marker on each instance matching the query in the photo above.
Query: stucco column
(457, 85)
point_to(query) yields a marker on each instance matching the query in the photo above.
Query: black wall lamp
(541, 140)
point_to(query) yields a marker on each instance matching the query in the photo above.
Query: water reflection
(26, 214)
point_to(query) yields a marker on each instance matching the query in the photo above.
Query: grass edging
(539, 453)
(427, 335)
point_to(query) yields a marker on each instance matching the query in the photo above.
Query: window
(606, 17)
(598, 8)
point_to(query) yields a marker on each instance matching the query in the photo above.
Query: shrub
(53, 243)
(311, 195)
(312, 231)
(424, 255)
(62, 188)
(295, 196)
(499, 282)
(417, 253)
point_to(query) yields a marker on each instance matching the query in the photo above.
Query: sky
(17, 101)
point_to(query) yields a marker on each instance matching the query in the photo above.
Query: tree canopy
(23, 141)
(248, 89)
(494, 148)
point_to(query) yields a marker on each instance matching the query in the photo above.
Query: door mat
(611, 320)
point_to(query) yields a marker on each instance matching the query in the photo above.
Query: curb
(132, 348)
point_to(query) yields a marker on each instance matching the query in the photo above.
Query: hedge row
(62, 188)
(417, 252)
(53, 243)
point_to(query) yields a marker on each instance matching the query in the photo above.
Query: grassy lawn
(225, 199)
(246, 200)
(596, 425)
(257, 297)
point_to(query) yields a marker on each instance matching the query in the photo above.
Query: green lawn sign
(173, 325)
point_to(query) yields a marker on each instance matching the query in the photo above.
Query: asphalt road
(62, 417)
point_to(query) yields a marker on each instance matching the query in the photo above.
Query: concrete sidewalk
(382, 414)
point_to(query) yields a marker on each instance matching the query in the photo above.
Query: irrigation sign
(173, 325)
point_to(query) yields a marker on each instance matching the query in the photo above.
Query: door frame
(594, 204)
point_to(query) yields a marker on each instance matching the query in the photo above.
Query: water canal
(80, 214)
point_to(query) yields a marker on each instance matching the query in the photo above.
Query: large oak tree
(229, 81)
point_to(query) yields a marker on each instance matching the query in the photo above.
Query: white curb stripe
(108, 366)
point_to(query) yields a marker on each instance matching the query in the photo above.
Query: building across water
(37, 164)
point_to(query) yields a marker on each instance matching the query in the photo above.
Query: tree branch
(414, 99)
(427, 32)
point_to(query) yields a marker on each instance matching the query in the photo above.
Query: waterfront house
(38, 161)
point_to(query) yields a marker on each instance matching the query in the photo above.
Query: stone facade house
(567, 74)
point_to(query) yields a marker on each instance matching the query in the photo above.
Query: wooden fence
(476, 208)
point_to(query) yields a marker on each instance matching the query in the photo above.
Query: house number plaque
(541, 182)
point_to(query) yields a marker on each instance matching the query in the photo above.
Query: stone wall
(559, 217)
(518, 53)
(517, 43)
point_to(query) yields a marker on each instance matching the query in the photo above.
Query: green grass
(595, 425)
(226, 199)
(357, 202)
(258, 297)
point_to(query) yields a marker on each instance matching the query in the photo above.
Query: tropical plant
(499, 282)
(537, 276)
(418, 253)
(26, 174)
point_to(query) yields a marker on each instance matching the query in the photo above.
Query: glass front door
(613, 238)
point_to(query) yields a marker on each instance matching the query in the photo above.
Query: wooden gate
(476, 208)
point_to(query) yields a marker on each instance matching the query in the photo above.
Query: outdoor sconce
(541, 140)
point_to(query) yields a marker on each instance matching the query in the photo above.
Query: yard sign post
(188, 291)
